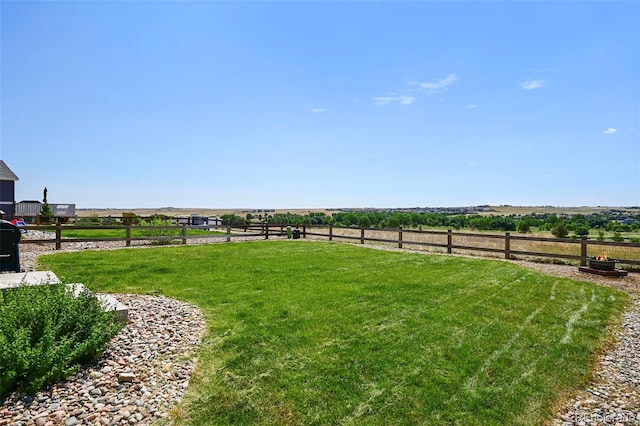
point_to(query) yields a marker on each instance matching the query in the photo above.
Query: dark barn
(7, 189)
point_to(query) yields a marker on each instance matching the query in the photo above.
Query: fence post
(361, 235)
(330, 232)
(583, 251)
(507, 245)
(58, 236)
(266, 231)
(449, 241)
(304, 231)
(128, 236)
(229, 233)
(184, 233)
(400, 237)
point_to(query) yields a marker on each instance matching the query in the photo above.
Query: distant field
(179, 212)
(524, 210)
(496, 210)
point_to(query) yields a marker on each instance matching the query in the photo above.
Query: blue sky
(322, 104)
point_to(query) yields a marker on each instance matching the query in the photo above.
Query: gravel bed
(137, 380)
(157, 348)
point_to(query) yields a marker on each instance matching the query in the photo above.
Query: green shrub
(364, 222)
(46, 215)
(523, 227)
(47, 333)
(582, 231)
(560, 231)
(157, 227)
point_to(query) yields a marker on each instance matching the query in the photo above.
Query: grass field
(321, 333)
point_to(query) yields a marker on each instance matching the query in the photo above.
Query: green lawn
(326, 333)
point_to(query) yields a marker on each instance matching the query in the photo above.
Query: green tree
(232, 219)
(582, 231)
(46, 215)
(393, 222)
(364, 222)
(523, 227)
(560, 231)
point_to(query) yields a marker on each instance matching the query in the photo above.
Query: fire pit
(602, 263)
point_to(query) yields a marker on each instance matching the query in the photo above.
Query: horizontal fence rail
(507, 245)
(504, 245)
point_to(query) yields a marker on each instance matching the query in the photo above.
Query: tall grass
(319, 333)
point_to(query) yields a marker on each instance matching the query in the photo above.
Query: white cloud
(405, 97)
(610, 131)
(403, 100)
(532, 84)
(471, 106)
(317, 110)
(441, 84)
(406, 100)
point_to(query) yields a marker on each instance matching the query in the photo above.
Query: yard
(325, 333)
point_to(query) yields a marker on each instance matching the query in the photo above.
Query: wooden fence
(504, 245)
(179, 234)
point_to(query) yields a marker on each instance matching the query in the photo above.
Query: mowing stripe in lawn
(327, 333)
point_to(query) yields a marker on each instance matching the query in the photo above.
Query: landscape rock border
(137, 380)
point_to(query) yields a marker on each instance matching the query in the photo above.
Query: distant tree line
(575, 225)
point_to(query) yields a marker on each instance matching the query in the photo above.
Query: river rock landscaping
(137, 380)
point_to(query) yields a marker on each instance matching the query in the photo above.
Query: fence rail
(507, 245)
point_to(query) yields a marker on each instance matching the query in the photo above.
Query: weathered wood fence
(504, 245)
(180, 233)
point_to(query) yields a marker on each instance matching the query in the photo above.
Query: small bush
(46, 215)
(47, 333)
(158, 227)
(560, 231)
